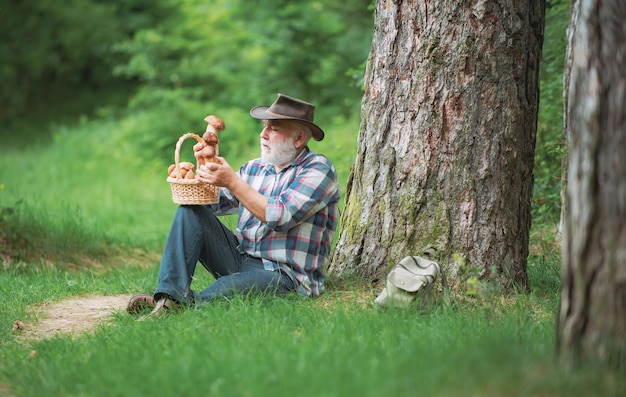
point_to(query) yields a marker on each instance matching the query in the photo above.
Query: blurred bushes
(242, 52)
(65, 45)
(551, 145)
(178, 60)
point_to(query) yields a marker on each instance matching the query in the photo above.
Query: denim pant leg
(196, 234)
(253, 279)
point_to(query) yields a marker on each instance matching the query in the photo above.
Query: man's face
(278, 142)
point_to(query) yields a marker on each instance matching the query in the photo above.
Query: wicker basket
(191, 191)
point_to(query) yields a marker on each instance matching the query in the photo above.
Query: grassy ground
(91, 220)
(336, 345)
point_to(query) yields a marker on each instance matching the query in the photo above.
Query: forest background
(95, 94)
(122, 80)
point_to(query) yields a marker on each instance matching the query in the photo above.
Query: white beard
(280, 154)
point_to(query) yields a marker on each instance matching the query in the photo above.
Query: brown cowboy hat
(288, 108)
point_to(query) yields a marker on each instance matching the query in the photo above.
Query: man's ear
(301, 139)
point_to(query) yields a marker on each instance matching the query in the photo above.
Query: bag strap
(431, 252)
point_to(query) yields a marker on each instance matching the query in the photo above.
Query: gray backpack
(412, 275)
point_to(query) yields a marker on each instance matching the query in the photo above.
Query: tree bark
(592, 316)
(446, 145)
(573, 21)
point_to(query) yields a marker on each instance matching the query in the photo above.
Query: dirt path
(70, 316)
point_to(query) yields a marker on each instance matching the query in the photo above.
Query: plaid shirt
(301, 217)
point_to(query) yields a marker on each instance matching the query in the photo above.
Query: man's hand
(221, 174)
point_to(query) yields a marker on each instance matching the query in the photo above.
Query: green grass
(336, 345)
(88, 213)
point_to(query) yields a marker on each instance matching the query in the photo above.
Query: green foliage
(191, 58)
(237, 53)
(195, 58)
(551, 145)
(64, 45)
(186, 58)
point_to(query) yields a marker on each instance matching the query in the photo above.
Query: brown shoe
(163, 307)
(140, 302)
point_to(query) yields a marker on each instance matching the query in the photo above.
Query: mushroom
(214, 125)
(186, 170)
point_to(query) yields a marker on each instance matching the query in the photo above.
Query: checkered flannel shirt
(301, 217)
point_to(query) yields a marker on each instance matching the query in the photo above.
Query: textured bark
(573, 21)
(446, 145)
(592, 317)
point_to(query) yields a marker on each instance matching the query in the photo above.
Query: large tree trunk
(592, 317)
(446, 144)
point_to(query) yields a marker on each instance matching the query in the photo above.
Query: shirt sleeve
(228, 203)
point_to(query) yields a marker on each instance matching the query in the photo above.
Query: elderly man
(287, 205)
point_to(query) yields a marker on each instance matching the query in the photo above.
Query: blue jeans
(197, 235)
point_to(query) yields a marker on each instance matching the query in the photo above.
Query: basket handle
(177, 150)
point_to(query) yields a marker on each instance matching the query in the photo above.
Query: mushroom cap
(215, 122)
(185, 165)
